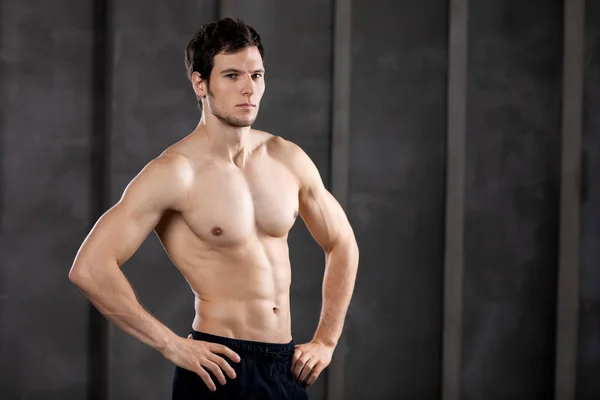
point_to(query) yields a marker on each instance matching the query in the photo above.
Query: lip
(245, 105)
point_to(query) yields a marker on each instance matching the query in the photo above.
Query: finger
(189, 336)
(223, 364)
(305, 373)
(314, 375)
(220, 349)
(300, 365)
(206, 378)
(214, 368)
(295, 358)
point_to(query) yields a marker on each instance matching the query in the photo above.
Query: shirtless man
(222, 201)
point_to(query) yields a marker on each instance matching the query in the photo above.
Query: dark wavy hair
(223, 36)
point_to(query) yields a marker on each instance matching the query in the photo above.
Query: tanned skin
(222, 200)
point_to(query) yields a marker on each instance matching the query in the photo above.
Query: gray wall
(511, 198)
(396, 204)
(90, 94)
(45, 92)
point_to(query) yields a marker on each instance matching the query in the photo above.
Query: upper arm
(320, 211)
(160, 186)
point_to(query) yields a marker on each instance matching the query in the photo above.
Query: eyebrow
(237, 71)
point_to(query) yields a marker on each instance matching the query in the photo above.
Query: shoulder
(295, 159)
(286, 151)
(165, 177)
(280, 148)
(170, 165)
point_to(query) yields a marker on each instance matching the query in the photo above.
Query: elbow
(353, 244)
(87, 272)
(349, 243)
(347, 246)
(356, 252)
(76, 276)
(353, 253)
(79, 275)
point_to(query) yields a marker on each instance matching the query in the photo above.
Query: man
(222, 201)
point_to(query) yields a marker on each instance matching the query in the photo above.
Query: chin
(245, 121)
(241, 123)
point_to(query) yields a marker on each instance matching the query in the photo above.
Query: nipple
(217, 231)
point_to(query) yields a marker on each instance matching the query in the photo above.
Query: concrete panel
(297, 37)
(153, 106)
(512, 195)
(397, 191)
(45, 92)
(588, 365)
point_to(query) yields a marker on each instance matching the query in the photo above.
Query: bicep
(324, 217)
(320, 211)
(118, 233)
(125, 226)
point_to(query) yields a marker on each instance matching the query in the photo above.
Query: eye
(256, 76)
(230, 76)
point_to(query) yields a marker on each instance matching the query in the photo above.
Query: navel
(275, 310)
(217, 231)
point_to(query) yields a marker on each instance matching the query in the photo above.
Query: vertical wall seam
(570, 197)
(455, 199)
(340, 149)
(225, 9)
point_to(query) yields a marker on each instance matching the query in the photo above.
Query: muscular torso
(229, 240)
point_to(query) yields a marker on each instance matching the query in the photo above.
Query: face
(236, 87)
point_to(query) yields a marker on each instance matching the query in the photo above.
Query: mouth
(246, 105)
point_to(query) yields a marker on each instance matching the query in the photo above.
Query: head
(224, 62)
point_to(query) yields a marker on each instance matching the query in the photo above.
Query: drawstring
(282, 354)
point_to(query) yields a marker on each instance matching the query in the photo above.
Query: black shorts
(264, 372)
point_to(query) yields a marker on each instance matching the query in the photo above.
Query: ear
(199, 85)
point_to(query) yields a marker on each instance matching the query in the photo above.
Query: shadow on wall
(3, 100)
(98, 328)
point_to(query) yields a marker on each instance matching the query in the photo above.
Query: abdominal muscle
(242, 291)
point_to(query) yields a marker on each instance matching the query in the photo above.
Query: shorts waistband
(249, 348)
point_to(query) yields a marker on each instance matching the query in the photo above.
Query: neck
(225, 140)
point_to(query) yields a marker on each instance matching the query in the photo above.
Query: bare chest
(228, 205)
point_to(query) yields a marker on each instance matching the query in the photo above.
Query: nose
(248, 86)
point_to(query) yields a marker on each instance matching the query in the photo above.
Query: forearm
(338, 285)
(109, 291)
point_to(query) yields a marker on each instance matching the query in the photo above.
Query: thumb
(190, 336)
